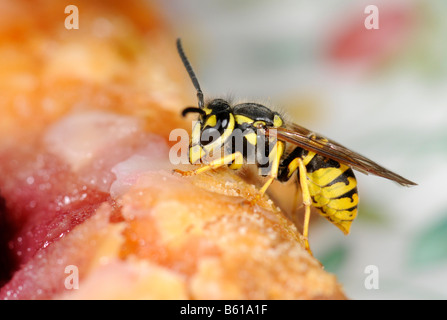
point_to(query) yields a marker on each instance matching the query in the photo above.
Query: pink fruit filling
(58, 181)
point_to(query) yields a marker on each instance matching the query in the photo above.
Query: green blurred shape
(430, 246)
(333, 259)
(369, 213)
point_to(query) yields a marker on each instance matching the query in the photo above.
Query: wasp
(324, 168)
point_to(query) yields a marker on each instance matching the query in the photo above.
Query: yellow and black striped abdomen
(332, 186)
(333, 189)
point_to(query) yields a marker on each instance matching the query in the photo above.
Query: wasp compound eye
(214, 127)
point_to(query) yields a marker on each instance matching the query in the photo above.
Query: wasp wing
(311, 141)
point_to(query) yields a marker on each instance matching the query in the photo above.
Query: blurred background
(381, 92)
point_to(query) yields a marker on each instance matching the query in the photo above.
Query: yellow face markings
(211, 121)
(218, 143)
(207, 110)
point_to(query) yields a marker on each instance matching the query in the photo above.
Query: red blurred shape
(354, 43)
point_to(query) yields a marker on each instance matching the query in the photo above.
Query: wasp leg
(228, 159)
(275, 158)
(307, 201)
(294, 209)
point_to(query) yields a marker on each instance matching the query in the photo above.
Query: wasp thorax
(218, 105)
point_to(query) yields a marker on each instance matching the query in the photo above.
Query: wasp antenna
(193, 109)
(191, 73)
